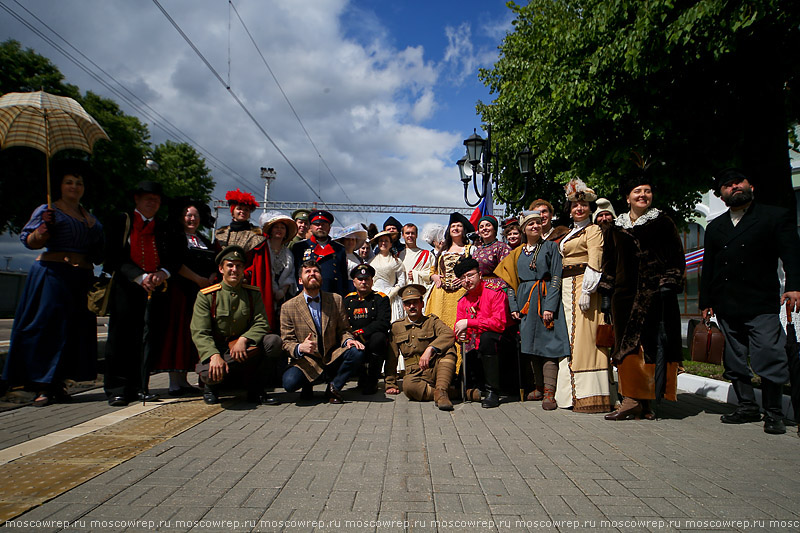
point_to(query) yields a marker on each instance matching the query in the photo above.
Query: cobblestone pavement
(388, 464)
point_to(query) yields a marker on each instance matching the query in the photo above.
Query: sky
(386, 91)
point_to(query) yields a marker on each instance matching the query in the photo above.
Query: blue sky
(386, 90)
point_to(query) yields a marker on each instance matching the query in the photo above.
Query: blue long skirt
(54, 336)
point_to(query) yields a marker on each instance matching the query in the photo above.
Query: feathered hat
(238, 197)
(577, 191)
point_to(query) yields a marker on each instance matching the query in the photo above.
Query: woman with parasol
(54, 336)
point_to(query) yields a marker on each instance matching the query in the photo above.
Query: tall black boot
(491, 376)
(748, 407)
(772, 399)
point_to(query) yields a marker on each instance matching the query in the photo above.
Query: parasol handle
(47, 159)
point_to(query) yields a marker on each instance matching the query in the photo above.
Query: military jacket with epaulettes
(238, 312)
(368, 315)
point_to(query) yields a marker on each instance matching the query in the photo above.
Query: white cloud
(364, 102)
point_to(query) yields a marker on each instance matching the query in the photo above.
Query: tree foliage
(118, 164)
(696, 86)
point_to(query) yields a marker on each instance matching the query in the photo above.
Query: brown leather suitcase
(708, 343)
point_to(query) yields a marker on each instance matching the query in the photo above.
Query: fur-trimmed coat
(643, 270)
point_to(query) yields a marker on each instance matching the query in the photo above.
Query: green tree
(118, 164)
(695, 85)
(182, 171)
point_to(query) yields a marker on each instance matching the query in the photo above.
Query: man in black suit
(740, 285)
(329, 255)
(138, 254)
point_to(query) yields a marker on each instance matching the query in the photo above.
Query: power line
(275, 78)
(236, 98)
(174, 132)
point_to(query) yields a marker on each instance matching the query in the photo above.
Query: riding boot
(772, 399)
(491, 373)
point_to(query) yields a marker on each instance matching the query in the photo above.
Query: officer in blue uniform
(370, 316)
(329, 255)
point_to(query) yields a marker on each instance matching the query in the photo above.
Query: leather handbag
(605, 336)
(708, 343)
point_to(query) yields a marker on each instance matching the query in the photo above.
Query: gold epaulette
(382, 294)
(211, 288)
(354, 293)
(251, 287)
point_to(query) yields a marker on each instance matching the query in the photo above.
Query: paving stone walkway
(381, 464)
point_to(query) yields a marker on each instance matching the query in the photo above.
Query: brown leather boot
(441, 399)
(630, 408)
(549, 400)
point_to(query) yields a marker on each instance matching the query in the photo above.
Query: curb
(722, 391)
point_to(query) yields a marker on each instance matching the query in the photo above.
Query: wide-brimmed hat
(355, 231)
(458, 217)
(577, 191)
(270, 218)
(373, 241)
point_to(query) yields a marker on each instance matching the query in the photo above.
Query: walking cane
(463, 372)
(519, 370)
(146, 344)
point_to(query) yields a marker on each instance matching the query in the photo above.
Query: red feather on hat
(241, 198)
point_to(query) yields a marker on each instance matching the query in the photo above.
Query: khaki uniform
(233, 318)
(411, 340)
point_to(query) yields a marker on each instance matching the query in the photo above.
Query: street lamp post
(480, 159)
(268, 175)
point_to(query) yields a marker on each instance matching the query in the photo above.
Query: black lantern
(475, 145)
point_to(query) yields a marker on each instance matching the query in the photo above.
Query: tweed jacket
(296, 324)
(740, 263)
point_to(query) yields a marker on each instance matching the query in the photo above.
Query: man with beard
(315, 333)
(740, 285)
(604, 215)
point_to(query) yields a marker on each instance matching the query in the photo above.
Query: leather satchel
(708, 343)
(605, 336)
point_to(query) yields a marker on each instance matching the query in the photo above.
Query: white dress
(390, 276)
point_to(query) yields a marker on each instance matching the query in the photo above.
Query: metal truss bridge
(357, 208)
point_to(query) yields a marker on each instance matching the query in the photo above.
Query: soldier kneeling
(230, 329)
(427, 345)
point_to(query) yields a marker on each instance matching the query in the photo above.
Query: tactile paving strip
(41, 476)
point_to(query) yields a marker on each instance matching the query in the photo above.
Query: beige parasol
(48, 123)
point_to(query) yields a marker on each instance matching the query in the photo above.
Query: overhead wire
(236, 98)
(170, 129)
(285, 96)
